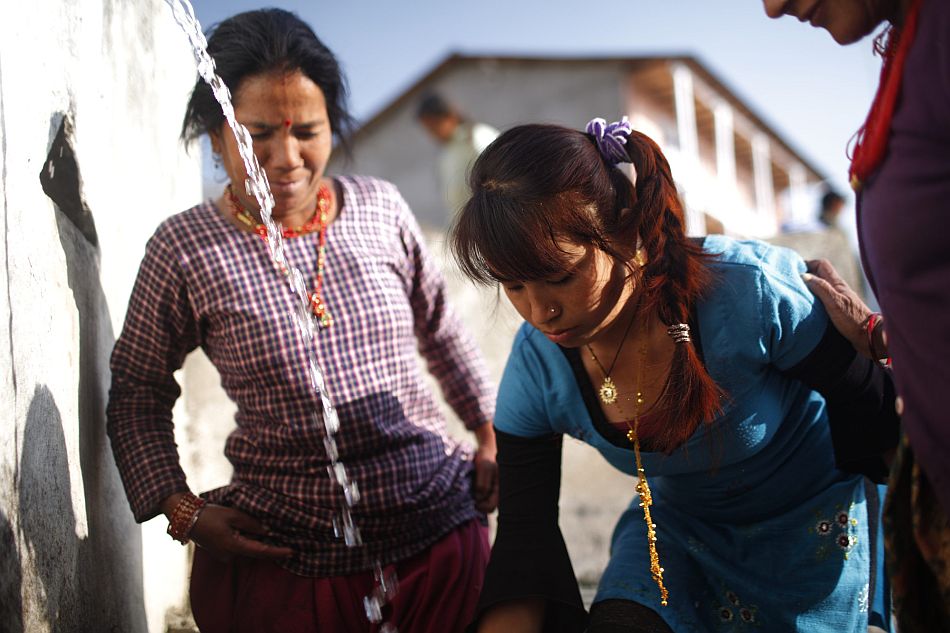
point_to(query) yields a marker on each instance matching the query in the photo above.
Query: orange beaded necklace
(318, 222)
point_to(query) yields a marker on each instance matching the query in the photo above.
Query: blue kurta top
(756, 528)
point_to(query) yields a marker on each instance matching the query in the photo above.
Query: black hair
(263, 41)
(827, 213)
(435, 106)
(829, 200)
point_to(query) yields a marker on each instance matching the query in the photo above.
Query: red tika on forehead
(287, 122)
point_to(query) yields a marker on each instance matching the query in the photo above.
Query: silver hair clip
(679, 332)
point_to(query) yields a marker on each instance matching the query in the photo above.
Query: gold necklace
(608, 390)
(643, 487)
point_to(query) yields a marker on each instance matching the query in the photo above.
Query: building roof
(634, 64)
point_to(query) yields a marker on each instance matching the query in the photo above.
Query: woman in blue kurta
(701, 360)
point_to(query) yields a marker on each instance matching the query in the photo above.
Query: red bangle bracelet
(184, 517)
(873, 321)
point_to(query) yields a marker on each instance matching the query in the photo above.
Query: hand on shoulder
(847, 311)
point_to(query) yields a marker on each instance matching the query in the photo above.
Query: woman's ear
(216, 145)
(640, 257)
(629, 224)
(629, 229)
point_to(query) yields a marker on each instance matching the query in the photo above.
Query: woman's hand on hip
(225, 533)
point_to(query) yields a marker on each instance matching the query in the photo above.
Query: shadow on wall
(91, 582)
(11, 580)
(47, 520)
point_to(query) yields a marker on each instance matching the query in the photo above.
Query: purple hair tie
(611, 138)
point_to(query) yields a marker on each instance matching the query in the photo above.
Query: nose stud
(552, 310)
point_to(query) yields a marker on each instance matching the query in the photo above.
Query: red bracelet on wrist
(874, 320)
(184, 517)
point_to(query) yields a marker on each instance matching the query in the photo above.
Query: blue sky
(813, 91)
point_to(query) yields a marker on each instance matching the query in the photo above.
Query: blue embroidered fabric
(756, 528)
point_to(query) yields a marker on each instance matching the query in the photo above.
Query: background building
(735, 172)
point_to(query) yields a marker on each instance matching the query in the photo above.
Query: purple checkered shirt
(205, 283)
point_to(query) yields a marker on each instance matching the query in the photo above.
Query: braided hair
(539, 185)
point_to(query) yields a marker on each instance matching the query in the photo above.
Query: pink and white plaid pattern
(204, 283)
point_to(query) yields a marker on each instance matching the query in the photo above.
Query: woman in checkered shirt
(268, 558)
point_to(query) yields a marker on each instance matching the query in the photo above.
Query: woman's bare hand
(225, 533)
(847, 311)
(485, 484)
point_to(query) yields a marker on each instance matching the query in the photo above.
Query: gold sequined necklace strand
(608, 390)
(643, 487)
(319, 223)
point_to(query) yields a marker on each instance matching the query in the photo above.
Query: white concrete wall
(500, 94)
(71, 557)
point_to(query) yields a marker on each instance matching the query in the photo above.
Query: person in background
(462, 141)
(901, 174)
(267, 558)
(703, 368)
(831, 206)
(824, 238)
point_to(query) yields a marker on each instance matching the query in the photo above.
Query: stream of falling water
(257, 186)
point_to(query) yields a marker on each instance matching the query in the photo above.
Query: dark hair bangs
(265, 41)
(497, 238)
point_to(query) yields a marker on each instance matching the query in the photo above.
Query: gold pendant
(608, 391)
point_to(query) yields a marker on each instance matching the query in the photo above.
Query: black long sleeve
(529, 558)
(860, 395)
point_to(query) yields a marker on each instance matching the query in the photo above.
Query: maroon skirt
(438, 590)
